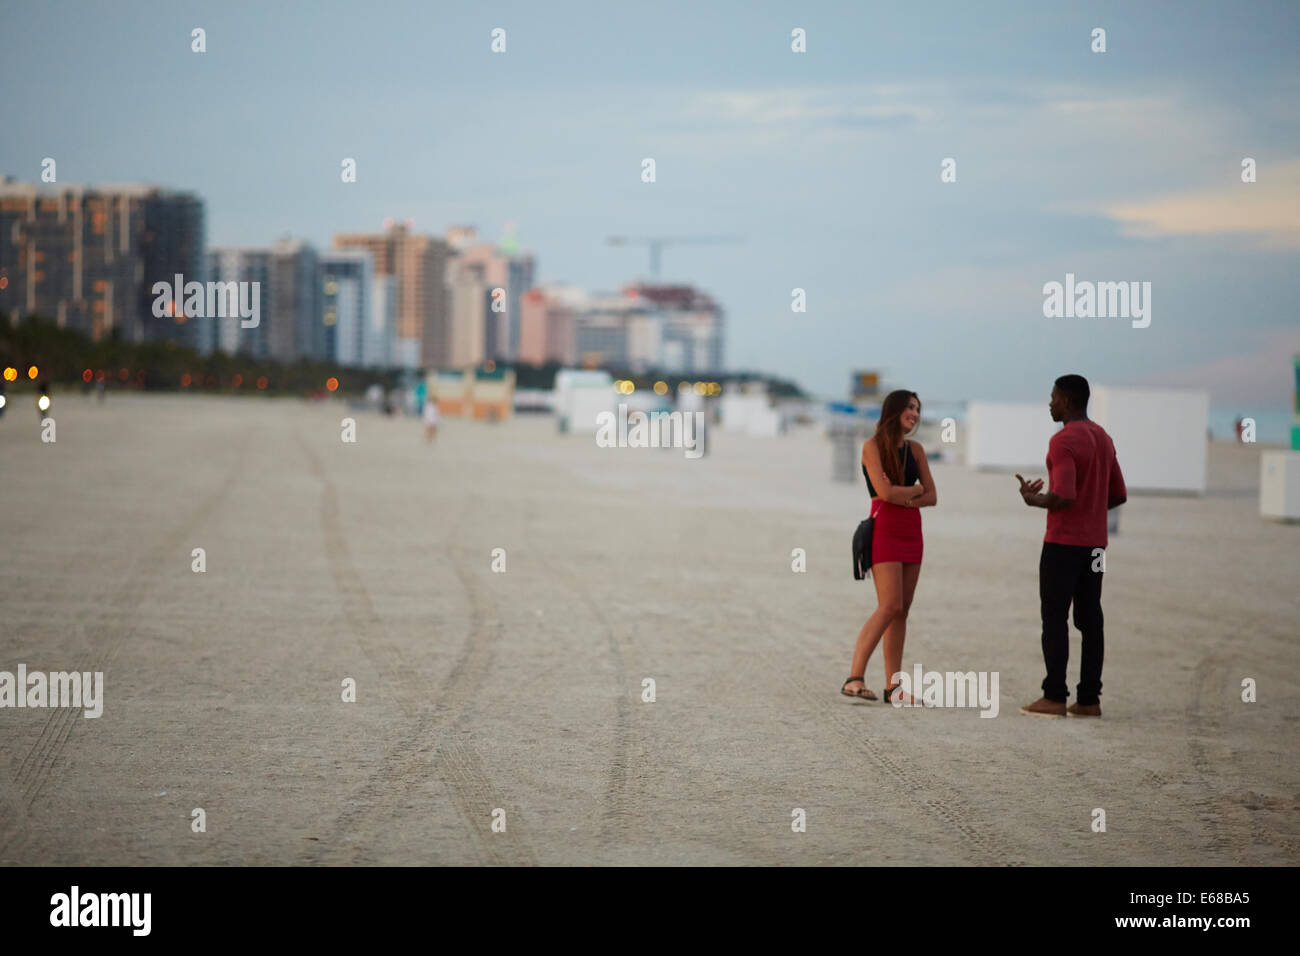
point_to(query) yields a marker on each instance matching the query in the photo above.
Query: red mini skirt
(897, 534)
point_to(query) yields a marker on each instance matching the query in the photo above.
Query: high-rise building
(297, 328)
(469, 299)
(227, 333)
(478, 263)
(672, 328)
(379, 341)
(88, 256)
(692, 334)
(519, 279)
(419, 264)
(496, 267)
(547, 324)
(346, 279)
(461, 237)
(620, 331)
(290, 323)
(174, 242)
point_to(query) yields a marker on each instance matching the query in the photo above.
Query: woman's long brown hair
(889, 432)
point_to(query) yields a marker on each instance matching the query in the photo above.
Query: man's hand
(1034, 496)
(1029, 491)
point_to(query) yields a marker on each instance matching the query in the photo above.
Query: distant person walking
(430, 419)
(1085, 483)
(899, 481)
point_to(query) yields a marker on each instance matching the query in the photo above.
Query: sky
(1117, 166)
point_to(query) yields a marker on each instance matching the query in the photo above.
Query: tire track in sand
(428, 743)
(1231, 821)
(114, 626)
(625, 800)
(939, 800)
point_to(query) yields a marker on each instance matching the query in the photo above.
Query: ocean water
(1272, 423)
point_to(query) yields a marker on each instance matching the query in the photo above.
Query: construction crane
(657, 243)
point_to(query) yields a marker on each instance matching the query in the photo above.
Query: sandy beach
(522, 691)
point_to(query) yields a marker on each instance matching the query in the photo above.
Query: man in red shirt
(1085, 483)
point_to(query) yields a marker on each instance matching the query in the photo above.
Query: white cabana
(1160, 435)
(580, 396)
(751, 413)
(1279, 484)
(1008, 435)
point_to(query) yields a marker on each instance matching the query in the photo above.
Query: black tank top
(911, 471)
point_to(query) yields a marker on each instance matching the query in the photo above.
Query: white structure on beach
(1008, 435)
(749, 409)
(1160, 434)
(580, 396)
(1279, 484)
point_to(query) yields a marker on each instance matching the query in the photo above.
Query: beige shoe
(1044, 708)
(1084, 710)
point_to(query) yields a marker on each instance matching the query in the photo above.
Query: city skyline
(130, 262)
(1122, 166)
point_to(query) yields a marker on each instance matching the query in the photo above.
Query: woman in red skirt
(898, 478)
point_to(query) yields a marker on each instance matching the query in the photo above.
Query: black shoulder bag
(862, 548)
(866, 529)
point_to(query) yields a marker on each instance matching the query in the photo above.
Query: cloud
(1119, 110)
(1263, 376)
(1269, 209)
(857, 107)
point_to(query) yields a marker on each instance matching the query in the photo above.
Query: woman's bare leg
(896, 633)
(889, 601)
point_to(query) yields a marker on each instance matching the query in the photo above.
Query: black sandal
(916, 701)
(864, 694)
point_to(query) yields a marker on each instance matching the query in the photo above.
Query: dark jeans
(1065, 576)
